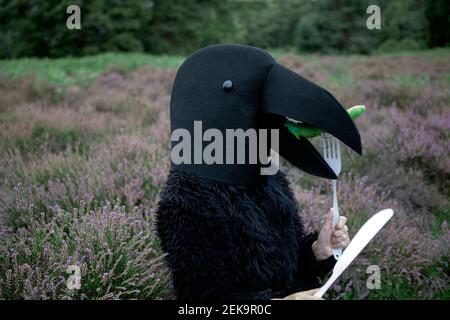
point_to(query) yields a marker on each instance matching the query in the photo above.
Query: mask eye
(227, 85)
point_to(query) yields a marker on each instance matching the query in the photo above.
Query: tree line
(38, 28)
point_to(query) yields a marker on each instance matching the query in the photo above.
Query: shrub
(401, 250)
(54, 140)
(56, 203)
(115, 249)
(128, 170)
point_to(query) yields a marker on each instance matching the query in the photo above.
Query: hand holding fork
(332, 155)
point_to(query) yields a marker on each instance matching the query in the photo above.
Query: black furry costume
(235, 242)
(228, 231)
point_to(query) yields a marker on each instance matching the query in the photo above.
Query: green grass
(56, 140)
(395, 288)
(436, 53)
(446, 78)
(83, 70)
(412, 81)
(441, 216)
(341, 76)
(68, 71)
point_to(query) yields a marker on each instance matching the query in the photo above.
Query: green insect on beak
(304, 130)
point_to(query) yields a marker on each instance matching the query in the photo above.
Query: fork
(332, 155)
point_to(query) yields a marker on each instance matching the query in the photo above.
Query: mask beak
(287, 94)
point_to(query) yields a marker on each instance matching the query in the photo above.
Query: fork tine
(333, 148)
(325, 146)
(328, 147)
(338, 150)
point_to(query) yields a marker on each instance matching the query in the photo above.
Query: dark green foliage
(180, 26)
(330, 26)
(404, 26)
(338, 26)
(438, 16)
(38, 28)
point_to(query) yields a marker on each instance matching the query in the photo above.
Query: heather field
(84, 153)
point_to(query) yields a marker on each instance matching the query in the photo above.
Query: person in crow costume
(228, 231)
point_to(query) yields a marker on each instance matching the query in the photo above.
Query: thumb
(327, 227)
(329, 220)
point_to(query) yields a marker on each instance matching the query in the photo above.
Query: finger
(311, 292)
(304, 295)
(341, 223)
(300, 296)
(344, 244)
(340, 238)
(341, 245)
(337, 242)
(313, 298)
(338, 245)
(341, 228)
(340, 232)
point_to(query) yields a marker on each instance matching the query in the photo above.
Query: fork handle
(336, 252)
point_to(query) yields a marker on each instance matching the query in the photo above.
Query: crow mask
(242, 87)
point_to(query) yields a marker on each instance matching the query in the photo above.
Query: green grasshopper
(304, 130)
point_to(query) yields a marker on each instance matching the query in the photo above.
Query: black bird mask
(243, 87)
